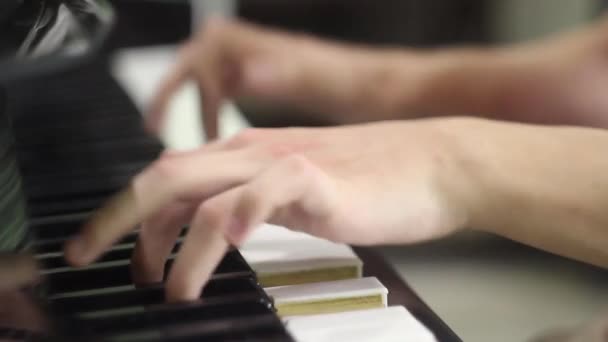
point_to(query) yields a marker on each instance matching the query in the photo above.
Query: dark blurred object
(417, 23)
(12, 202)
(45, 36)
(13, 230)
(150, 22)
(20, 312)
(7, 8)
(400, 22)
(79, 139)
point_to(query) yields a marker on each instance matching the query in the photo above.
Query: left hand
(17, 310)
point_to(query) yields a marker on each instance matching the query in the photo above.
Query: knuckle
(298, 165)
(165, 167)
(215, 27)
(211, 215)
(246, 137)
(185, 51)
(249, 202)
(279, 150)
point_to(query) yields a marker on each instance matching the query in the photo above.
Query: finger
(295, 182)
(180, 73)
(156, 241)
(17, 271)
(117, 217)
(168, 180)
(211, 100)
(203, 248)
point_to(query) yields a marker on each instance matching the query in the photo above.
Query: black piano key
(69, 157)
(58, 261)
(58, 228)
(265, 328)
(81, 187)
(152, 295)
(47, 242)
(166, 315)
(261, 329)
(56, 245)
(82, 204)
(97, 128)
(64, 280)
(85, 172)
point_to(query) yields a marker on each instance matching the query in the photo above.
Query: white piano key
(327, 297)
(281, 256)
(392, 324)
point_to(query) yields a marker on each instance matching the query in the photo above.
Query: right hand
(381, 183)
(340, 84)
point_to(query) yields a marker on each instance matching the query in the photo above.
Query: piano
(78, 138)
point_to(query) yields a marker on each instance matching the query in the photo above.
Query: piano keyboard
(277, 277)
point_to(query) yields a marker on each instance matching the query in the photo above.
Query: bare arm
(561, 80)
(546, 187)
(389, 182)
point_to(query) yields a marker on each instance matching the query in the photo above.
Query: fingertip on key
(76, 252)
(182, 291)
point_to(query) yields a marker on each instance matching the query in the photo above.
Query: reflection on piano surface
(79, 140)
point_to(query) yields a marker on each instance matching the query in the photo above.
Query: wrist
(464, 177)
(450, 82)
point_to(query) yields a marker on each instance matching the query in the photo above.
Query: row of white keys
(391, 324)
(318, 280)
(280, 256)
(338, 306)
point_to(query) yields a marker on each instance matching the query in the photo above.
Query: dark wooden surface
(400, 293)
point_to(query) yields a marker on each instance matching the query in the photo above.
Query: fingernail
(236, 229)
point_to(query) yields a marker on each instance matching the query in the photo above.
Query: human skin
(424, 177)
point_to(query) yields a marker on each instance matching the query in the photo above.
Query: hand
(16, 271)
(18, 311)
(557, 81)
(338, 83)
(389, 182)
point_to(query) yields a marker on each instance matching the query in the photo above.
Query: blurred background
(484, 287)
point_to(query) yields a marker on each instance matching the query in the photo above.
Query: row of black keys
(101, 302)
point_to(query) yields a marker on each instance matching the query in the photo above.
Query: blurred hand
(17, 310)
(232, 59)
(389, 182)
(16, 271)
(561, 80)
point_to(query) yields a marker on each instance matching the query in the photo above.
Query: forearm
(556, 81)
(546, 187)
